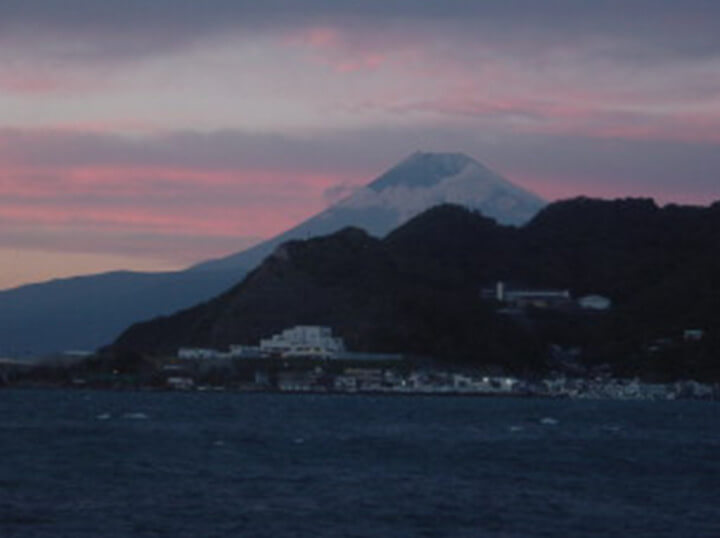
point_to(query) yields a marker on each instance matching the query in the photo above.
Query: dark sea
(118, 464)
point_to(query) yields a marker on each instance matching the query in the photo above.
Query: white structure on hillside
(303, 341)
(236, 352)
(594, 302)
(191, 353)
(523, 298)
(693, 335)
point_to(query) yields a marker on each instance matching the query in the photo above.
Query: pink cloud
(570, 113)
(562, 89)
(207, 211)
(41, 80)
(106, 127)
(320, 37)
(30, 85)
(343, 51)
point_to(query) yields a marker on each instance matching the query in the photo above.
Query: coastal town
(310, 359)
(433, 382)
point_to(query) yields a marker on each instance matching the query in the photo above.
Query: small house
(594, 302)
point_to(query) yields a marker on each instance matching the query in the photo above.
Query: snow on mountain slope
(420, 182)
(427, 179)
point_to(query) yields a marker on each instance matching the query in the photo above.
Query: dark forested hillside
(418, 290)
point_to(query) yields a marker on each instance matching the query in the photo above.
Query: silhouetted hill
(348, 280)
(451, 245)
(80, 313)
(418, 290)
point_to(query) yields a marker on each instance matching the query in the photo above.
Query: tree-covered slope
(418, 289)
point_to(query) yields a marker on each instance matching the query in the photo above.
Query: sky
(152, 134)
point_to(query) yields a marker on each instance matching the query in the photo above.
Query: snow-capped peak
(422, 169)
(424, 180)
(419, 182)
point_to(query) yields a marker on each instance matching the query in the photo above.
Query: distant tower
(500, 295)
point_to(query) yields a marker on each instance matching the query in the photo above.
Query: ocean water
(109, 464)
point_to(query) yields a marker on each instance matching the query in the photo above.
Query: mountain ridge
(47, 318)
(418, 182)
(416, 292)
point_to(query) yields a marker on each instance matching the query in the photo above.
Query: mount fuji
(86, 312)
(421, 181)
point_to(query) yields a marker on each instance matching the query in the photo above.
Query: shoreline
(348, 393)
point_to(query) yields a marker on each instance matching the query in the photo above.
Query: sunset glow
(154, 135)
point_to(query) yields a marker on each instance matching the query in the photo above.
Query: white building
(180, 383)
(693, 335)
(303, 341)
(537, 298)
(299, 341)
(191, 353)
(518, 298)
(594, 302)
(242, 352)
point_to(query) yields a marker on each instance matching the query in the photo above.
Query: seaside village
(308, 358)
